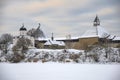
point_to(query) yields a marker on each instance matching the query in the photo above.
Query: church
(23, 33)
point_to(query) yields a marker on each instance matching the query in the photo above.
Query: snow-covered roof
(92, 32)
(111, 37)
(116, 38)
(64, 38)
(54, 42)
(102, 32)
(57, 39)
(89, 33)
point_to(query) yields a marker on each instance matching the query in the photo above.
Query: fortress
(95, 36)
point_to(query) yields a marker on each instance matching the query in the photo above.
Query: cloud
(24, 8)
(59, 16)
(107, 11)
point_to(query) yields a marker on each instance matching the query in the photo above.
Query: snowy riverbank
(59, 71)
(96, 55)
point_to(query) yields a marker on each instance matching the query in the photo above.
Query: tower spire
(96, 21)
(39, 25)
(52, 38)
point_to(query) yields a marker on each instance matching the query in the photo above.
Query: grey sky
(62, 17)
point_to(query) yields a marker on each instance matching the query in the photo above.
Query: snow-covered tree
(31, 32)
(22, 44)
(5, 40)
(20, 49)
(36, 33)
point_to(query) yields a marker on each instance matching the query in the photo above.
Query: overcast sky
(62, 17)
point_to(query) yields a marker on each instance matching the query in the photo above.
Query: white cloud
(66, 16)
(107, 11)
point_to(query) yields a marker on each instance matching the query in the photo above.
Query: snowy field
(59, 71)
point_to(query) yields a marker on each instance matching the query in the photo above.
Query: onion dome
(23, 28)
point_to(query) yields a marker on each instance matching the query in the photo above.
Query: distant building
(53, 44)
(94, 36)
(23, 33)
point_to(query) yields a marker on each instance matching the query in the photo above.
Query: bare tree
(5, 40)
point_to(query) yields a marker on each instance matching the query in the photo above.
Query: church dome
(23, 28)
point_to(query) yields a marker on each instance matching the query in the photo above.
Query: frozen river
(59, 71)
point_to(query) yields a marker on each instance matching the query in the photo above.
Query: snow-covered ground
(59, 71)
